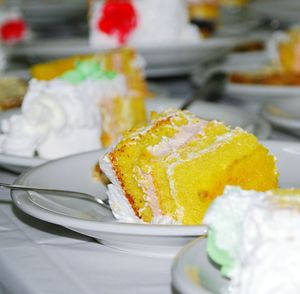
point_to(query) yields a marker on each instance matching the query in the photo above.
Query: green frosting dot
(72, 77)
(110, 75)
(97, 76)
(218, 255)
(85, 70)
(88, 67)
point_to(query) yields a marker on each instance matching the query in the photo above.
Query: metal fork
(74, 194)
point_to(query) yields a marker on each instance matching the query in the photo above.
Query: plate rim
(292, 124)
(180, 280)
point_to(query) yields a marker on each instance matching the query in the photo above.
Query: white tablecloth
(38, 257)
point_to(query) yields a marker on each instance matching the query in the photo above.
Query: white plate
(284, 112)
(250, 93)
(88, 218)
(163, 60)
(230, 115)
(287, 10)
(192, 271)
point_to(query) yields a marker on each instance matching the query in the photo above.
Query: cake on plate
(85, 108)
(172, 169)
(254, 237)
(140, 22)
(283, 66)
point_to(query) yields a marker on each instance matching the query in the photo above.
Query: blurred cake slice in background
(140, 22)
(85, 108)
(171, 170)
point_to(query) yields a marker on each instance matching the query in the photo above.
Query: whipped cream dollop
(59, 117)
(255, 238)
(158, 22)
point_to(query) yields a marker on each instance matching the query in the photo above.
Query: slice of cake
(136, 22)
(255, 238)
(172, 169)
(86, 108)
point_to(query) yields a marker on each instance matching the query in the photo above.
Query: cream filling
(185, 134)
(146, 184)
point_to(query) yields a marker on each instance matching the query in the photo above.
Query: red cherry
(12, 30)
(119, 18)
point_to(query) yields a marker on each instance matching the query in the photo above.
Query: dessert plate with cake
(258, 77)
(161, 178)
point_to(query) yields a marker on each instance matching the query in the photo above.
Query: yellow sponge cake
(172, 169)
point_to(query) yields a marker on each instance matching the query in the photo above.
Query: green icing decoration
(87, 69)
(72, 77)
(110, 75)
(218, 255)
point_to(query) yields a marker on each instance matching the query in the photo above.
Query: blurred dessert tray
(230, 115)
(193, 272)
(246, 63)
(164, 60)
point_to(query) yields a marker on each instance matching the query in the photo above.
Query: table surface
(39, 257)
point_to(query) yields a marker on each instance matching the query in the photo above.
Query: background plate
(165, 60)
(251, 93)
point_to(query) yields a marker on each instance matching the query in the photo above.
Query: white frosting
(58, 118)
(262, 236)
(159, 21)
